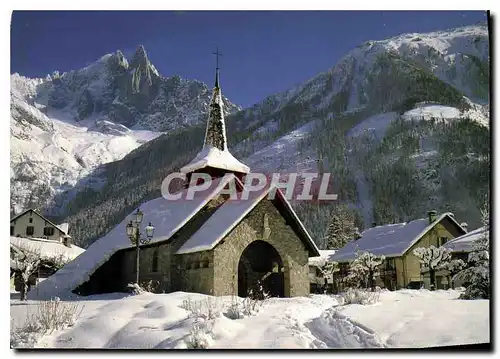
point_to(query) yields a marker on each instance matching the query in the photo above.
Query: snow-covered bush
(199, 337)
(256, 297)
(145, 287)
(209, 308)
(477, 271)
(432, 259)
(150, 286)
(135, 289)
(327, 271)
(56, 314)
(364, 270)
(359, 296)
(258, 292)
(47, 317)
(235, 309)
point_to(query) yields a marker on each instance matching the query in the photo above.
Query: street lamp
(135, 236)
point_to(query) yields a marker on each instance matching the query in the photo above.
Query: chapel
(209, 244)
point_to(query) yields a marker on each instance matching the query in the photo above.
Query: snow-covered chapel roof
(215, 152)
(390, 240)
(230, 214)
(167, 216)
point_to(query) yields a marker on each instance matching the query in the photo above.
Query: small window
(31, 220)
(48, 231)
(30, 230)
(155, 261)
(442, 241)
(11, 230)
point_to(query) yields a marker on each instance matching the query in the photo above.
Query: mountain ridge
(368, 81)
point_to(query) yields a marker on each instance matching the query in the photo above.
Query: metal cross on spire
(217, 54)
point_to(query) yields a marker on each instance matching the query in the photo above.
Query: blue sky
(263, 52)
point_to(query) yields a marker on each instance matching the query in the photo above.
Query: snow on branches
(26, 261)
(432, 258)
(477, 271)
(364, 269)
(341, 229)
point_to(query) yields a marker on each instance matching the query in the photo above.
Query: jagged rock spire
(215, 135)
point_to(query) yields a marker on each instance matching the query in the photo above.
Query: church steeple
(214, 157)
(215, 134)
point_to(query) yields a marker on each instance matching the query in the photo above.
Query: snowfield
(401, 319)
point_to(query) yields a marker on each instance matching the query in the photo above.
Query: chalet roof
(166, 215)
(391, 240)
(62, 227)
(464, 243)
(230, 214)
(47, 248)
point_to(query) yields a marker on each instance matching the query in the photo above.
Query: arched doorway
(260, 261)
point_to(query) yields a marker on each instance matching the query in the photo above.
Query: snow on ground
(283, 155)
(406, 318)
(57, 151)
(375, 125)
(428, 112)
(420, 318)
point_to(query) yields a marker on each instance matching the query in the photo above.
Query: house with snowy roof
(210, 244)
(459, 248)
(49, 252)
(31, 224)
(396, 242)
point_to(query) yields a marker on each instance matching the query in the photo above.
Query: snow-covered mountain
(413, 108)
(63, 127)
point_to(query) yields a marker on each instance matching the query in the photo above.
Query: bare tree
(364, 269)
(432, 259)
(25, 263)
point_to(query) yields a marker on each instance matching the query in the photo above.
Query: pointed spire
(215, 155)
(217, 54)
(215, 134)
(216, 78)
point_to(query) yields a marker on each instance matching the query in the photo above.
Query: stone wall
(216, 272)
(277, 233)
(162, 275)
(188, 272)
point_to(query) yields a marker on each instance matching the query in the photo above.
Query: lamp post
(135, 236)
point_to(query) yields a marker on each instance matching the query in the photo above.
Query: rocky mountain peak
(140, 58)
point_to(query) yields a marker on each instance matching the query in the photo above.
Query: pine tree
(477, 272)
(341, 229)
(455, 266)
(432, 259)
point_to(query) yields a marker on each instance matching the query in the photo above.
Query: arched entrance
(260, 261)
